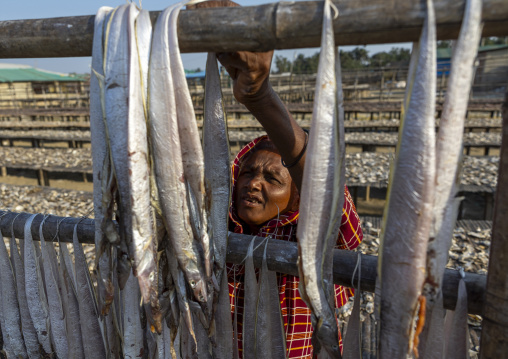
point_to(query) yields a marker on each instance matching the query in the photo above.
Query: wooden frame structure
(298, 25)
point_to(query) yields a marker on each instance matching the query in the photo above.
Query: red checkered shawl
(296, 315)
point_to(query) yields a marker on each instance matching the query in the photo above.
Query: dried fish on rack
(167, 154)
(27, 326)
(408, 211)
(55, 304)
(320, 200)
(34, 286)
(11, 327)
(217, 171)
(93, 343)
(103, 176)
(448, 160)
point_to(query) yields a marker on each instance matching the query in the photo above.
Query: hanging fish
(192, 152)
(55, 306)
(36, 295)
(408, 211)
(456, 328)
(133, 333)
(126, 126)
(217, 169)
(167, 155)
(93, 343)
(27, 326)
(103, 176)
(320, 197)
(251, 293)
(72, 325)
(10, 305)
(269, 335)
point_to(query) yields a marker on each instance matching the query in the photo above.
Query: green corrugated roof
(31, 74)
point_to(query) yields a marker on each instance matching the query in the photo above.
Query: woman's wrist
(263, 97)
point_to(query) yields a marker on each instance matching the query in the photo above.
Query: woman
(267, 176)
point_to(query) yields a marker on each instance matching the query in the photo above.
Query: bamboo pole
(281, 25)
(282, 256)
(494, 342)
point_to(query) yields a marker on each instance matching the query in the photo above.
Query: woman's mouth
(251, 201)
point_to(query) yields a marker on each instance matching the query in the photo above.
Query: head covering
(295, 313)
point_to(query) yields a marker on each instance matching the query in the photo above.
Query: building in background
(23, 86)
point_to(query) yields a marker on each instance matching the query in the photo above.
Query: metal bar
(494, 341)
(282, 256)
(283, 25)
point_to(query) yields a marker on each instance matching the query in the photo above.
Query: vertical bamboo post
(494, 341)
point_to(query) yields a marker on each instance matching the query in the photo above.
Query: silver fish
(456, 327)
(270, 336)
(6, 346)
(317, 228)
(90, 330)
(181, 292)
(251, 293)
(27, 326)
(408, 211)
(217, 170)
(168, 165)
(126, 126)
(101, 171)
(133, 333)
(36, 296)
(352, 345)
(10, 307)
(56, 311)
(72, 326)
(449, 144)
(192, 152)
(223, 326)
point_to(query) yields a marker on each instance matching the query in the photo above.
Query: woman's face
(264, 189)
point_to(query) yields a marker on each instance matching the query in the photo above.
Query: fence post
(494, 341)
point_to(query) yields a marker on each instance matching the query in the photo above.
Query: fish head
(328, 337)
(199, 289)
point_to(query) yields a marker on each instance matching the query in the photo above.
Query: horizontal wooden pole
(282, 256)
(281, 25)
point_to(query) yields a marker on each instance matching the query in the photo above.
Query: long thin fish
(449, 144)
(5, 349)
(409, 206)
(72, 326)
(27, 326)
(315, 237)
(105, 286)
(269, 336)
(36, 296)
(353, 339)
(10, 306)
(217, 172)
(133, 333)
(251, 293)
(56, 311)
(223, 348)
(192, 152)
(456, 327)
(90, 330)
(169, 173)
(128, 140)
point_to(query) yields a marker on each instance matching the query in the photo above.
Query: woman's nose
(254, 183)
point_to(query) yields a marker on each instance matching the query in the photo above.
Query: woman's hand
(249, 72)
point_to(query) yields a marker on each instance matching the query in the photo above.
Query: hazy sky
(34, 9)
